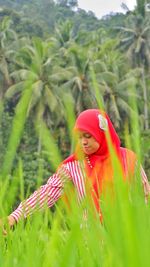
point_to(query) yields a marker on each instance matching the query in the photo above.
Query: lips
(86, 147)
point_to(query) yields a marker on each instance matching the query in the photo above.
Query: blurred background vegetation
(55, 45)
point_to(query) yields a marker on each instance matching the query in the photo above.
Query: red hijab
(98, 124)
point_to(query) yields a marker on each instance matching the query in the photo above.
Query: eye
(87, 135)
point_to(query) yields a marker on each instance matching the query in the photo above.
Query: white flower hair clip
(103, 123)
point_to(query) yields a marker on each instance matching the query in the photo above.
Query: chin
(87, 153)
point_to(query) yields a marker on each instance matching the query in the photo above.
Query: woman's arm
(145, 182)
(46, 195)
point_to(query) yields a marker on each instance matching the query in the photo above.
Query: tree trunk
(146, 123)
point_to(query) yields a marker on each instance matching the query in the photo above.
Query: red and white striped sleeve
(46, 195)
(145, 183)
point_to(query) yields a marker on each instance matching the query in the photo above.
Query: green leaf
(50, 99)
(14, 89)
(23, 75)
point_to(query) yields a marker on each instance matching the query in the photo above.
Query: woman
(92, 161)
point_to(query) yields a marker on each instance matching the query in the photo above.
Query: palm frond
(14, 89)
(50, 99)
(23, 75)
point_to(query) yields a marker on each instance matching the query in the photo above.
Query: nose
(84, 141)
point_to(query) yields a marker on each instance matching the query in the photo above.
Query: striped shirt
(49, 193)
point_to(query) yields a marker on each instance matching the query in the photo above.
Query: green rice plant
(17, 129)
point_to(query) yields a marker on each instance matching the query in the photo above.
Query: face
(88, 143)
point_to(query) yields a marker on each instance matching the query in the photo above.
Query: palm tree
(8, 45)
(135, 40)
(79, 84)
(64, 33)
(34, 60)
(33, 95)
(73, 65)
(39, 62)
(113, 80)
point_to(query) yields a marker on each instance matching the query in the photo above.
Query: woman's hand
(11, 220)
(3, 222)
(2, 227)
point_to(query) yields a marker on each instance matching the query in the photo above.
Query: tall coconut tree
(8, 45)
(113, 81)
(79, 84)
(39, 61)
(135, 40)
(33, 94)
(35, 61)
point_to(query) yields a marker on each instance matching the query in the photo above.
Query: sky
(104, 7)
